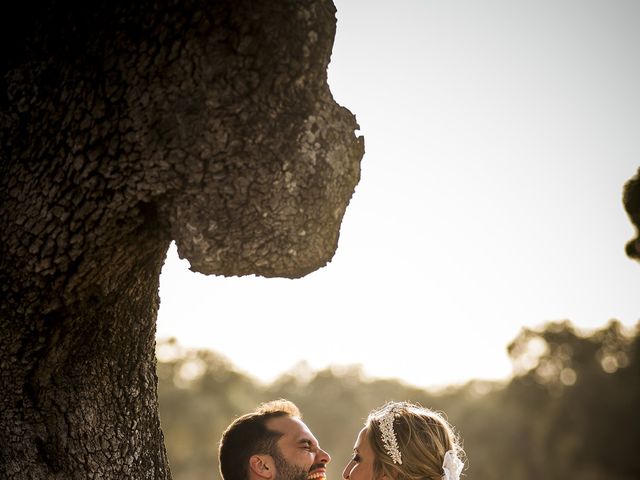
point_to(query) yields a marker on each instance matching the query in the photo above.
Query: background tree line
(570, 411)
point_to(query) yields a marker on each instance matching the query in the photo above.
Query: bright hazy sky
(498, 135)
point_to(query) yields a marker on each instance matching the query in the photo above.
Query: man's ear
(262, 467)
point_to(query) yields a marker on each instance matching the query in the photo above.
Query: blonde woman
(403, 441)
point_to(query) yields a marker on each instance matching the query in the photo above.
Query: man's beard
(288, 471)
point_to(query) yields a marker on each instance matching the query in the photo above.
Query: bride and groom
(399, 441)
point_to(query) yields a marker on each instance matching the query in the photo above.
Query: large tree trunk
(79, 386)
(123, 126)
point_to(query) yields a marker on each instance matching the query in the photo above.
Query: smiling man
(271, 443)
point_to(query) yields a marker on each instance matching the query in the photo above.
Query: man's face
(286, 470)
(299, 456)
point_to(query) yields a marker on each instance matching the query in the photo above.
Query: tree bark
(632, 206)
(123, 126)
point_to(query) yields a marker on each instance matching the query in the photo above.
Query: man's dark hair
(248, 435)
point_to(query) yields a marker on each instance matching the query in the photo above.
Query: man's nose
(322, 456)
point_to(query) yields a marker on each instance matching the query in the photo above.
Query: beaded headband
(389, 439)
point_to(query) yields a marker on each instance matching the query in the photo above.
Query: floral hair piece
(451, 466)
(389, 439)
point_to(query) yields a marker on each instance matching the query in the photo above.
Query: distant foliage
(571, 410)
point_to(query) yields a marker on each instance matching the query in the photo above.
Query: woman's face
(360, 467)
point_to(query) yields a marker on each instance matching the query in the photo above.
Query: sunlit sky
(499, 135)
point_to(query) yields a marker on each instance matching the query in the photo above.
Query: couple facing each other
(399, 441)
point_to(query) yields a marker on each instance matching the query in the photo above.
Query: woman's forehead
(361, 440)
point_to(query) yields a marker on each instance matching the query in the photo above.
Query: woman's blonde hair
(423, 437)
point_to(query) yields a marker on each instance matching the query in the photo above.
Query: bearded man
(271, 443)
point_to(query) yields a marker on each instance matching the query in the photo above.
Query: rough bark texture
(632, 205)
(124, 125)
